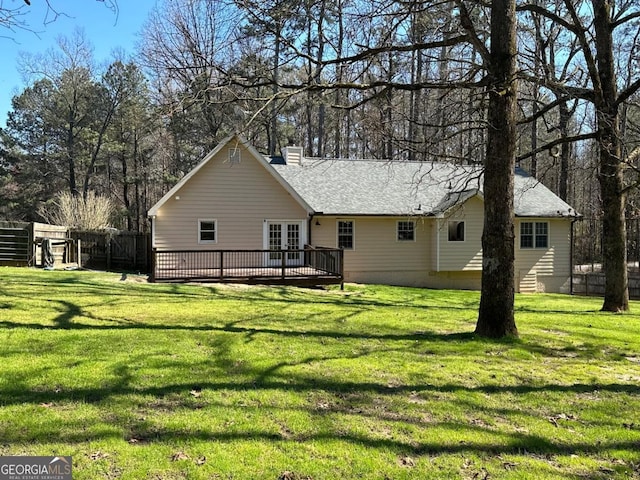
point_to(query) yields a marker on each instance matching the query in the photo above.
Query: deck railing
(309, 265)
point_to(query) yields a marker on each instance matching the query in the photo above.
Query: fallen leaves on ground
(179, 456)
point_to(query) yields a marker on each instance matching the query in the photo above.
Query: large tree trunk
(125, 188)
(614, 235)
(610, 175)
(565, 151)
(71, 155)
(496, 314)
(614, 232)
(273, 134)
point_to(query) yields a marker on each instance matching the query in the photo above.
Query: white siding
(466, 255)
(378, 257)
(240, 196)
(548, 267)
(537, 270)
(527, 281)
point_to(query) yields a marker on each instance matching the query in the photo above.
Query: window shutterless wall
(238, 194)
(376, 245)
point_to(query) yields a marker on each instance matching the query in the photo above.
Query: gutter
(152, 222)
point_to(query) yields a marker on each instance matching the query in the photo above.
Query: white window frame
(215, 231)
(353, 233)
(265, 230)
(534, 235)
(464, 231)
(412, 231)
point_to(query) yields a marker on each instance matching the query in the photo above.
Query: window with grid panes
(207, 231)
(534, 235)
(406, 231)
(345, 234)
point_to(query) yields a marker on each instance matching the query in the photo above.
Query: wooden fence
(61, 245)
(16, 241)
(21, 245)
(592, 284)
(114, 250)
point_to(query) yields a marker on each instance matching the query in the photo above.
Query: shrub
(91, 213)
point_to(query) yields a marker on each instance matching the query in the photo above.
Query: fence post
(108, 249)
(152, 275)
(586, 284)
(221, 265)
(147, 251)
(135, 251)
(341, 256)
(284, 263)
(31, 247)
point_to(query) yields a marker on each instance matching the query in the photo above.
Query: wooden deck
(308, 266)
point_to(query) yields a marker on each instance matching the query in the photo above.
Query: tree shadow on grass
(70, 311)
(424, 298)
(126, 405)
(17, 396)
(145, 433)
(461, 438)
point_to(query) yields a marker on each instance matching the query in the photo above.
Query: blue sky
(105, 30)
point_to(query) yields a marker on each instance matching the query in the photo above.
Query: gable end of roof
(153, 211)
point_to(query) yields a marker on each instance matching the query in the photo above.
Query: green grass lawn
(144, 381)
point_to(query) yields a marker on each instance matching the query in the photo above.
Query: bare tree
(550, 113)
(184, 42)
(601, 27)
(12, 17)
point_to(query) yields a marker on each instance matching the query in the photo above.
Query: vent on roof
(234, 156)
(292, 155)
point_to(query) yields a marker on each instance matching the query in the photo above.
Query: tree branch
(628, 92)
(555, 143)
(387, 84)
(551, 16)
(559, 87)
(370, 52)
(623, 20)
(467, 24)
(540, 113)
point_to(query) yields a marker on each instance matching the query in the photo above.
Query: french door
(284, 235)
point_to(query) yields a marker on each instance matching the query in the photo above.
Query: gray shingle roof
(372, 187)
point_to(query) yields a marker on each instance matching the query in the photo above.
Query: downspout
(152, 274)
(571, 253)
(152, 221)
(437, 244)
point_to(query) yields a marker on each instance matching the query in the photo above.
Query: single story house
(398, 222)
